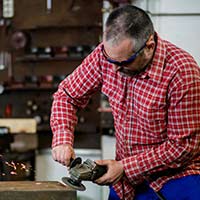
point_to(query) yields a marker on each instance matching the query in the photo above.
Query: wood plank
(35, 190)
(19, 125)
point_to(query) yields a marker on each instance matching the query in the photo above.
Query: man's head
(128, 39)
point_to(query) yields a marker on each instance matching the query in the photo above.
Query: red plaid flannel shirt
(156, 114)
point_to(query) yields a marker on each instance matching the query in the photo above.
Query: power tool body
(86, 171)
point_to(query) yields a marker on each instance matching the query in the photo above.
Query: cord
(159, 195)
(122, 190)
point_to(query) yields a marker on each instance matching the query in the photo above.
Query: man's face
(124, 59)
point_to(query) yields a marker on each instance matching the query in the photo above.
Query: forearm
(169, 155)
(63, 119)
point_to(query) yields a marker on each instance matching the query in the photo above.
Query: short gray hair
(128, 21)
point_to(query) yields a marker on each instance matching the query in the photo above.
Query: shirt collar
(156, 67)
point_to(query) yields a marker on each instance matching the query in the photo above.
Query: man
(153, 89)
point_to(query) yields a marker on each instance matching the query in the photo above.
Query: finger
(68, 157)
(101, 162)
(103, 184)
(103, 180)
(54, 155)
(63, 158)
(57, 155)
(63, 154)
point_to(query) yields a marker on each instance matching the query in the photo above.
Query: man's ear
(150, 44)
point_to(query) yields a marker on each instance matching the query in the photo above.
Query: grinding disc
(77, 186)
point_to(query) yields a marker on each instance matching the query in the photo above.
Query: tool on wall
(86, 171)
(20, 39)
(5, 64)
(8, 8)
(49, 5)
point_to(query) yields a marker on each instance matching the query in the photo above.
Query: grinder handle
(98, 171)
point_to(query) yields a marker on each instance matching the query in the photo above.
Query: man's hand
(63, 153)
(114, 172)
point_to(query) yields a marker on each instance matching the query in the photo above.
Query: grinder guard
(86, 171)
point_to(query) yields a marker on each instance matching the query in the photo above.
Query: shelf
(25, 88)
(64, 26)
(45, 59)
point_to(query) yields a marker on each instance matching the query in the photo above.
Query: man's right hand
(63, 154)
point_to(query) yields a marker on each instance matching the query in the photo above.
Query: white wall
(181, 30)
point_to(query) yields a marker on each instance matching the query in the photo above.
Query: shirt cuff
(62, 138)
(132, 170)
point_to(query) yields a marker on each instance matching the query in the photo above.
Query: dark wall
(44, 46)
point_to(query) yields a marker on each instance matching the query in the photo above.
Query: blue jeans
(185, 188)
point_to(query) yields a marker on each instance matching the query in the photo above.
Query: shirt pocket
(152, 119)
(116, 101)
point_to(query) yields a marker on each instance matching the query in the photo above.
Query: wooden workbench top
(32, 186)
(35, 190)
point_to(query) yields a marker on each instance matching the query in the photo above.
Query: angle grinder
(86, 171)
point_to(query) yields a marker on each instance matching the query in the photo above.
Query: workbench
(35, 190)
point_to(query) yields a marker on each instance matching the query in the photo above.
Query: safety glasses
(124, 62)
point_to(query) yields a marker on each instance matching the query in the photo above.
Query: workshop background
(41, 42)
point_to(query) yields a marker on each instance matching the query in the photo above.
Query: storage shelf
(46, 59)
(25, 88)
